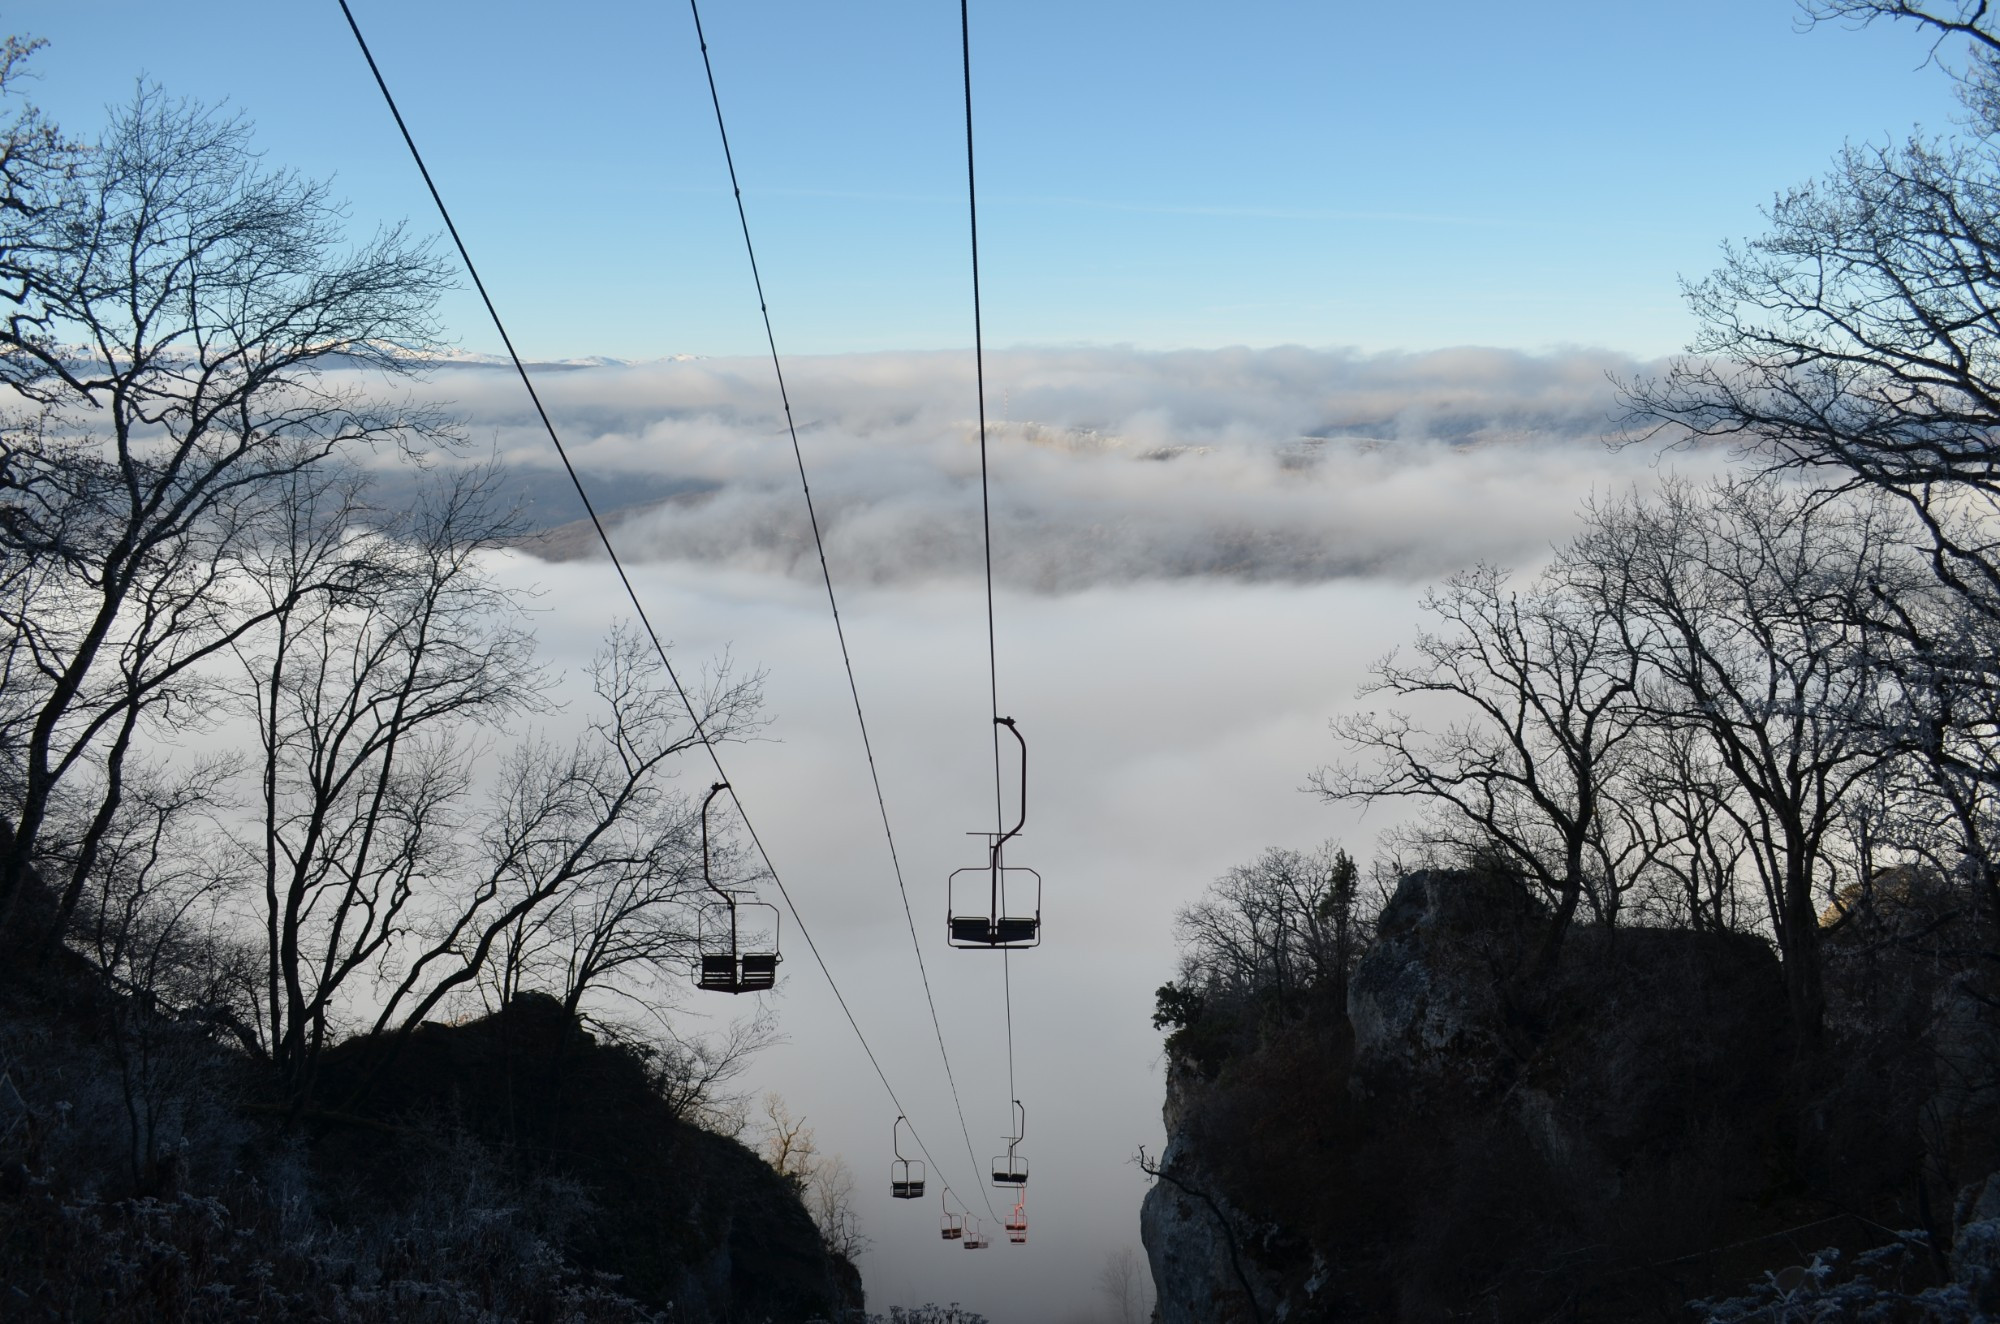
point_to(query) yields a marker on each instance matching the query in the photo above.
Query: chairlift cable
(979, 378)
(985, 499)
(631, 592)
(1007, 984)
(826, 577)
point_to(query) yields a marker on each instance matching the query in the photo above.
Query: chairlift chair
(1011, 1168)
(993, 905)
(975, 1235)
(906, 1176)
(1017, 1222)
(728, 961)
(951, 1226)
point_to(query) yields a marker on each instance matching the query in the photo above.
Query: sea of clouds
(1106, 465)
(1198, 556)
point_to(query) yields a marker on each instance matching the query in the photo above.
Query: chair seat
(754, 972)
(1008, 930)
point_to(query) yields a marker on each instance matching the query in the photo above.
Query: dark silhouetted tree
(179, 319)
(1539, 693)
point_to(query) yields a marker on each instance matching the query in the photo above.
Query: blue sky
(1159, 175)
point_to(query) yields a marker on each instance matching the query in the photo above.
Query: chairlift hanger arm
(1008, 722)
(707, 881)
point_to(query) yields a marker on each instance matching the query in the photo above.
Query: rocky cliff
(512, 1167)
(682, 1217)
(1610, 1142)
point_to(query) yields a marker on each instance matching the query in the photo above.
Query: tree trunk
(1572, 892)
(1805, 990)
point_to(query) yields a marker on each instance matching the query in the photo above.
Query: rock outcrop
(512, 1167)
(1975, 1253)
(684, 1219)
(1477, 1139)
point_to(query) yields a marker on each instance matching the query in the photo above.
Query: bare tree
(1944, 718)
(1124, 1282)
(1680, 801)
(692, 1073)
(830, 1201)
(596, 817)
(823, 1182)
(1287, 926)
(1550, 687)
(363, 700)
(384, 889)
(1748, 606)
(176, 310)
(1857, 337)
(152, 924)
(35, 160)
(632, 915)
(1969, 19)
(787, 1144)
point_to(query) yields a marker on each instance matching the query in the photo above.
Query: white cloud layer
(1107, 466)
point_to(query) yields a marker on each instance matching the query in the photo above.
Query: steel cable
(826, 577)
(631, 592)
(985, 503)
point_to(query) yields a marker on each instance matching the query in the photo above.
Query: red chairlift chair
(1017, 1222)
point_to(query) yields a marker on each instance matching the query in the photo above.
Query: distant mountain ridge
(454, 357)
(407, 356)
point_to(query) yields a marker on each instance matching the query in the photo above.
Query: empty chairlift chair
(1011, 1168)
(906, 1176)
(992, 905)
(951, 1226)
(736, 939)
(1017, 1222)
(975, 1235)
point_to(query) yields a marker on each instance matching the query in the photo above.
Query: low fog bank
(1108, 466)
(1171, 724)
